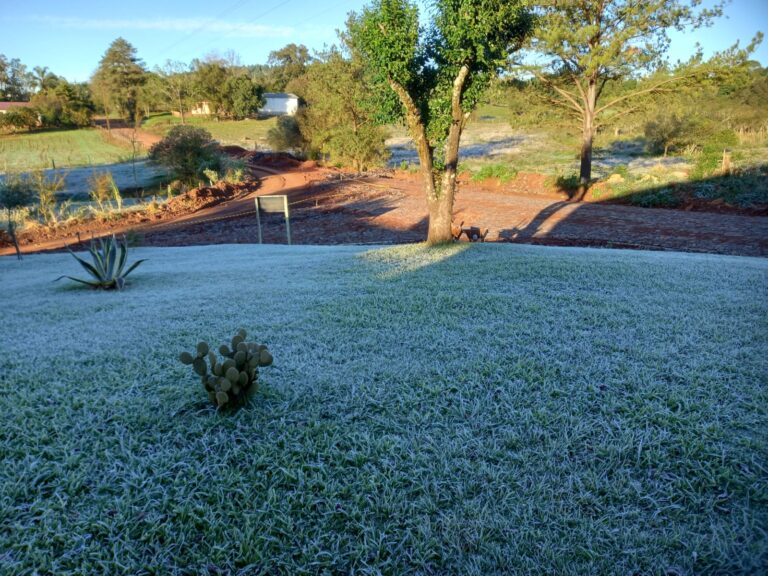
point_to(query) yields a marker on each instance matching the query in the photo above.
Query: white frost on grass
(478, 409)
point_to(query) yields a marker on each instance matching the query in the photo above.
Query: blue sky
(70, 37)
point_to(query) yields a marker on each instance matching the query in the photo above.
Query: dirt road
(329, 208)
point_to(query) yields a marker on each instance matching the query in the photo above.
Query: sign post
(273, 205)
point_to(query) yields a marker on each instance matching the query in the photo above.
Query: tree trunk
(440, 193)
(12, 234)
(441, 205)
(106, 113)
(588, 135)
(440, 217)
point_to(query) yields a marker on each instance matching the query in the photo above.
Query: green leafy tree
(591, 44)
(243, 97)
(16, 82)
(64, 105)
(286, 64)
(210, 85)
(188, 151)
(43, 78)
(438, 76)
(338, 120)
(119, 78)
(175, 83)
(668, 130)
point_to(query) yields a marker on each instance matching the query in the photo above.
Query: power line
(247, 23)
(202, 26)
(241, 26)
(314, 16)
(281, 4)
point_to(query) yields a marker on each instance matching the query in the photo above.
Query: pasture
(62, 148)
(576, 411)
(246, 133)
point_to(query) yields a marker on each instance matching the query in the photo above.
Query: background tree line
(123, 88)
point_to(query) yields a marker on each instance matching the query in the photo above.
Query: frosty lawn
(468, 410)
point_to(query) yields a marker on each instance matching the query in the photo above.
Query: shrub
(286, 136)
(211, 175)
(503, 172)
(107, 270)
(667, 132)
(621, 169)
(231, 171)
(229, 382)
(18, 119)
(711, 156)
(102, 190)
(187, 151)
(15, 193)
(47, 187)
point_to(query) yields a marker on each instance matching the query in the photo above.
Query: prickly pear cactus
(231, 380)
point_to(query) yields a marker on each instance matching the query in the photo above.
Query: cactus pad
(265, 358)
(199, 366)
(234, 377)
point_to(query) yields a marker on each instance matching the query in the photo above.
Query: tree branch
(418, 133)
(654, 88)
(569, 96)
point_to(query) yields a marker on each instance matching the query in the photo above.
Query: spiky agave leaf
(86, 282)
(109, 257)
(90, 268)
(133, 267)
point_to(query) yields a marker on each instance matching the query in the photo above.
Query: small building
(279, 104)
(200, 109)
(6, 106)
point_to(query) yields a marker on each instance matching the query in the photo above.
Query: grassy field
(245, 133)
(65, 148)
(568, 411)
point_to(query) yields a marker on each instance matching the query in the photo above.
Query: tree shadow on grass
(721, 214)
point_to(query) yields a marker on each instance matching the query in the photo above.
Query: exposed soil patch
(329, 206)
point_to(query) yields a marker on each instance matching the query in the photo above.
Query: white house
(279, 104)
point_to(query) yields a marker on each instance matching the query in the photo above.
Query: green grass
(567, 411)
(244, 133)
(65, 148)
(503, 172)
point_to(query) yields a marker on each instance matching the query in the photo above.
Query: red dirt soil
(329, 206)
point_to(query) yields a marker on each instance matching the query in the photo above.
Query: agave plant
(109, 258)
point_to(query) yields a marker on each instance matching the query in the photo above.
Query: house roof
(9, 105)
(279, 95)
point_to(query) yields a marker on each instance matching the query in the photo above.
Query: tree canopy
(338, 120)
(589, 44)
(119, 77)
(437, 75)
(286, 64)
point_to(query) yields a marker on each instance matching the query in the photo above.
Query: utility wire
(247, 23)
(202, 26)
